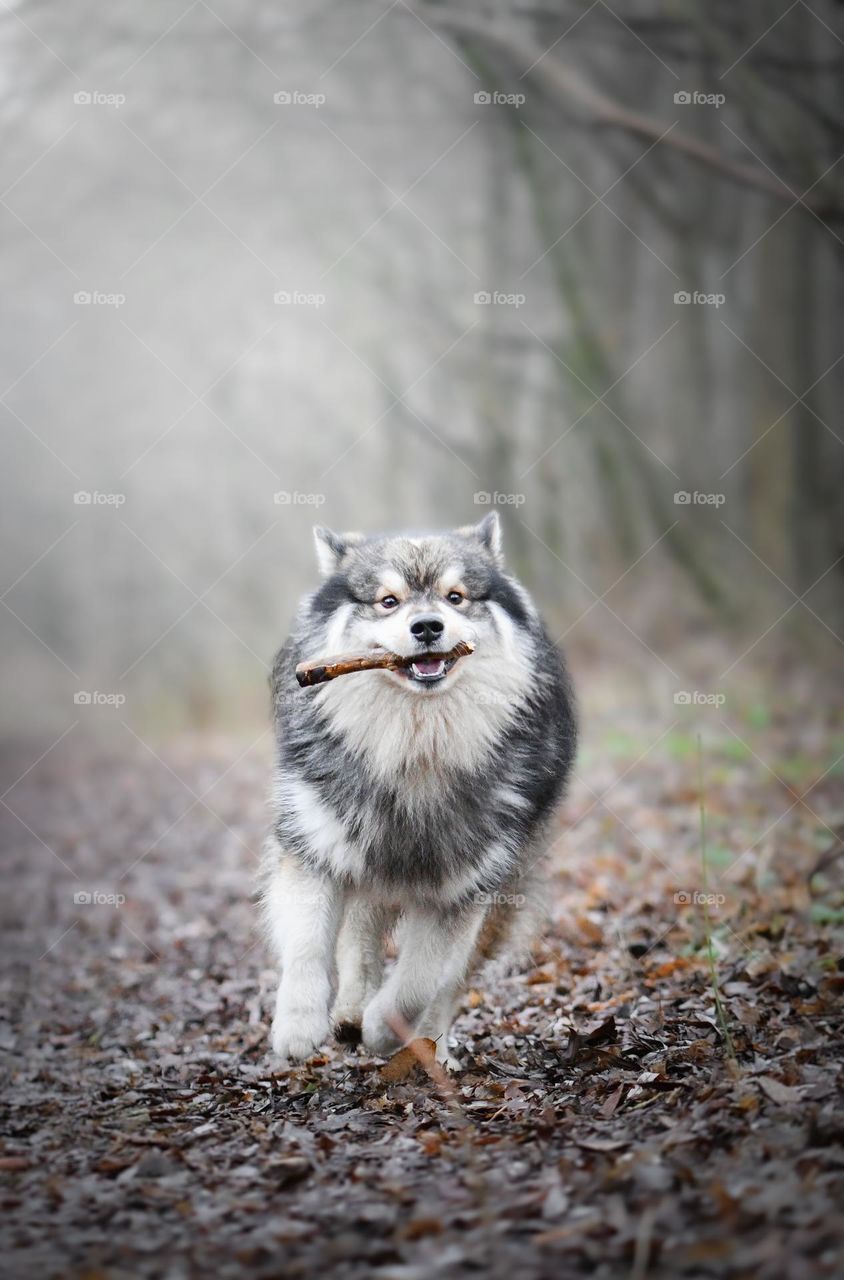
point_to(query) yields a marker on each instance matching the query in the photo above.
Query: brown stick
(318, 670)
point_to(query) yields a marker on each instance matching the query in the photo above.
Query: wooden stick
(318, 670)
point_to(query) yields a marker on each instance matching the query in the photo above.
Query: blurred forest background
(287, 219)
(386, 264)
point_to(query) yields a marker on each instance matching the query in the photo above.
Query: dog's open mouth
(427, 670)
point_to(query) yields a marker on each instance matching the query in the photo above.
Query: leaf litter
(601, 1124)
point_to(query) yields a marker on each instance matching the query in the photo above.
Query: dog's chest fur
(436, 797)
(441, 840)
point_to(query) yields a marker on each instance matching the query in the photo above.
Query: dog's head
(418, 597)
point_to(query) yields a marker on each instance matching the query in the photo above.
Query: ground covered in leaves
(656, 1094)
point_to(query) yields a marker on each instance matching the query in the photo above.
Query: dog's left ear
(331, 548)
(488, 534)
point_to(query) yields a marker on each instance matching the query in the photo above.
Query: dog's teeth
(428, 670)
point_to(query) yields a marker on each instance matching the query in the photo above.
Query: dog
(413, 800)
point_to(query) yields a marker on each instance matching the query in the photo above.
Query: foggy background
(387, 265)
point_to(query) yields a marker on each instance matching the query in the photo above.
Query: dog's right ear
(488, 534)
(331, 548)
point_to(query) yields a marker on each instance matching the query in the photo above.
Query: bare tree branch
(563, 84)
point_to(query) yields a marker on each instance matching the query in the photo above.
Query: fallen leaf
(417, 1056)
(777, 1092)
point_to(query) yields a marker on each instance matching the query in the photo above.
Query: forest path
(602, 1124)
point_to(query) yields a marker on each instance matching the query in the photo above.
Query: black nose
(427, 630)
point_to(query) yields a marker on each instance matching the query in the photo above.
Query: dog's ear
(332, 547)
(488, 534)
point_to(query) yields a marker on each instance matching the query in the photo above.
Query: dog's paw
(347, 1031)
(295, 1037)
(346, 1018)
(379, 1037)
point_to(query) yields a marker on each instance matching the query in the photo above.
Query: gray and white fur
(412, 801)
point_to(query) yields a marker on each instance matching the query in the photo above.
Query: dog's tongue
(428, 666)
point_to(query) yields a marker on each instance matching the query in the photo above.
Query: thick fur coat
(418, 798)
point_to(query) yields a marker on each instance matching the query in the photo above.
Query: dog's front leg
(360, 964)
(304, 915)
(435, 953)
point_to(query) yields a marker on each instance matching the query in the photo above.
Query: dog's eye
(455, 597)
(388, 602)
